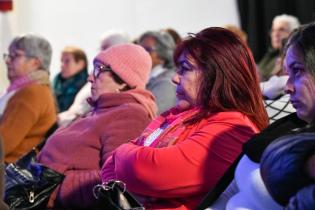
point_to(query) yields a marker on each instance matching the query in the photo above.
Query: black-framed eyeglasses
(149, 49)
(98, 69)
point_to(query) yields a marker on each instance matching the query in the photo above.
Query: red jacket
(179, 176)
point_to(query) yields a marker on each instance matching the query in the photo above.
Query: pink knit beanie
(129, 61)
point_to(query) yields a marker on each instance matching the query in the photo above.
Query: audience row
(168, 120)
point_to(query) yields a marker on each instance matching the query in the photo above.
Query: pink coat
(79, 151)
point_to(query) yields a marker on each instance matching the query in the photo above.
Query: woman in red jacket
(183, 153)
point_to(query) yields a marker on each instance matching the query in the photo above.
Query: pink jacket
(79, 151)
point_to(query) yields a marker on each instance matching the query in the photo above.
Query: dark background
(256, 19)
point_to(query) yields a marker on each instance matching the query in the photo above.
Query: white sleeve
(274, 87)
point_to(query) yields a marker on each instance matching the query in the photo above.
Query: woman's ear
(81, 64)
(37, 63)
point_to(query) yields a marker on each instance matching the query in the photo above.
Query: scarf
(142, 96)
(172, 122)
(35, 77)
(145, 98)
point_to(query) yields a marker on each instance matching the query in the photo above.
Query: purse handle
(109, 185)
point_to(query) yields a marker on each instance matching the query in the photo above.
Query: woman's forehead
(293, 55)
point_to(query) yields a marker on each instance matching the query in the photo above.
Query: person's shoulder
(34, 92)
(132, 109)
(228, 116)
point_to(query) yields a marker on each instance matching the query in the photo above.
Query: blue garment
(66, 89)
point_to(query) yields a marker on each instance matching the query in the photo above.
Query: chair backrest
(3, 206)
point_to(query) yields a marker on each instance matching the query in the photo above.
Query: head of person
(27, 53)
(286, 165)
(242, 34)
(160, 45)
(113, 37)
(73, 60)
(120, 68)
(282, 26)
(299, 63)
(216, 72)
(175, 35)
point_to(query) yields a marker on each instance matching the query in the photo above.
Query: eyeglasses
(149, 49)
(13, 56)
(98, 69)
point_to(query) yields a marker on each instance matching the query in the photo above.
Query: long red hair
(228, 71)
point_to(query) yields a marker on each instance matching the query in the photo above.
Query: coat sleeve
(76, 189)
(185, 169)
(22, 112)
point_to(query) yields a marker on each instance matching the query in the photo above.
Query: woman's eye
(297, 70)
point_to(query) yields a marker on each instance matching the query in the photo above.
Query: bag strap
(223, 183)
(51, 130)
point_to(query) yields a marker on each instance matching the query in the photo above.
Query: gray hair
(290, 19)
(165, 46)
(34, 46)
(114, 37)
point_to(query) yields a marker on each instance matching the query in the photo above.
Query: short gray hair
(290, 19)
(34, 46)
(114, 37)
(165, 45)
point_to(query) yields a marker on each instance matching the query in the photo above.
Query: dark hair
(175, 35)
(228, 71)
(120, 81)
(304, 39)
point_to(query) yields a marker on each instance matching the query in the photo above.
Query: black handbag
(113, 195)
(29, 188)
(28, 184)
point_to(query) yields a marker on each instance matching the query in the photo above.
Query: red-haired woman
(183, 153)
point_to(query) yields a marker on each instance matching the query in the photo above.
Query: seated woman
(27, 108)
(184, 152)
(299, 56)
(72, 76)
(121, 109)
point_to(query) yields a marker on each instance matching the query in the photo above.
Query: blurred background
(81, 22)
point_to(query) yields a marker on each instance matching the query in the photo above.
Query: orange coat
(29, 114)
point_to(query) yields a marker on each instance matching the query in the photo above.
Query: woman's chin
(183, 105)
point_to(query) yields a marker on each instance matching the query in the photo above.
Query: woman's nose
(90, 78)
(175, 79)
(289, 88)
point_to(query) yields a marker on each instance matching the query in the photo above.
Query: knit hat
(129, 61)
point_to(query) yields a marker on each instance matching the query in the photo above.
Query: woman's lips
(295, 103)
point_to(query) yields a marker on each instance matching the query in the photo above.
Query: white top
(4, 99)
(253, 194)
(274, 87)
(79, 107)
